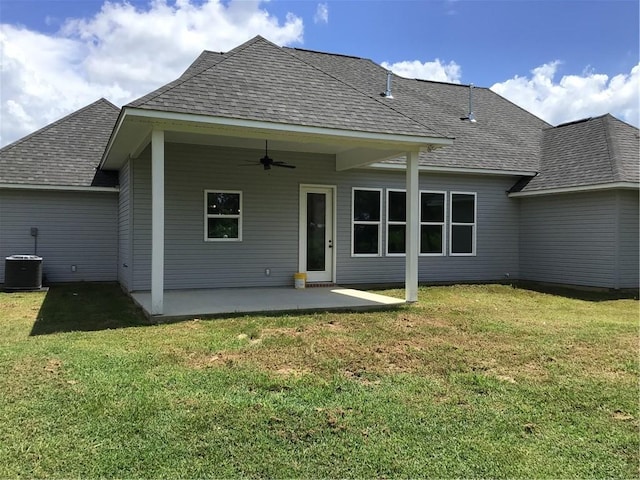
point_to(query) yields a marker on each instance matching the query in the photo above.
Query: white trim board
(287, 128)
(584, 188)
(461, 170)
(66, 188)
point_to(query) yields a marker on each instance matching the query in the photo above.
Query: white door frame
(330, 251)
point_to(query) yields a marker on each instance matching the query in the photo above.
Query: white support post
(157, 222)
(412, 228)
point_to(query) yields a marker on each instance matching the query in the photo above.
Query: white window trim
(360, 222)
(443, 224)
(473, 225)
(207, 216)
(389, 222)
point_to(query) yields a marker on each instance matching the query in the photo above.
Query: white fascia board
(63, 188)
(114, 134)
(415, 140)
(584, 188)
(475, 171)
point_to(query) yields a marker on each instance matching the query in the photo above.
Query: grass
(473, 381)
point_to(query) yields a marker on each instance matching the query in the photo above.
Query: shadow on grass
(86, 307)
(585, 294)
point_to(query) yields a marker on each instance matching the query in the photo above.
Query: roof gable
(64, 153)
(261, 81)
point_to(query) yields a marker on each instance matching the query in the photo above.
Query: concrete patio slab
(215, 302)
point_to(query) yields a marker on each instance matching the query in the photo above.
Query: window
(396, 222)
(366, 213)
(432, 218)
(463, 224)
(222, 216)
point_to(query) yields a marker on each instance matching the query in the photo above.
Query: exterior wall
(575, 239)
(628, 229)
(124, 228)
(74, 228)
(270, 221)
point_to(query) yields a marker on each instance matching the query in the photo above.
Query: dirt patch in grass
(362, 347)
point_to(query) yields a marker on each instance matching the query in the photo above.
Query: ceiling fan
(267, 162)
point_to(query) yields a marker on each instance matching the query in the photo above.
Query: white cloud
(322, 13)
(574, 96)
(436, 70)
(121, 53)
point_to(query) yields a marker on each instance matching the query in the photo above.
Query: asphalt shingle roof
(505, 137)
(588, 152)
(261, 81)
(64, 153)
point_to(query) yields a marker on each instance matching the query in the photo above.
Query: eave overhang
(578, 189)
(58, 188)
(352, 148)
(456, 170)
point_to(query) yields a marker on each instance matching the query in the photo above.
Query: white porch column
(412, 229)
(157, 222)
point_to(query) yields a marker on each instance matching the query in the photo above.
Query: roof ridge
(441, 82)
(199, 63)
(374, 98)
(611, 148)
(180, 80)
(326, 53)
(55, 123)
(542, 128)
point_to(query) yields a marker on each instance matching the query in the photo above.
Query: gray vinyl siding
(124, 228)
(570, 239)
(270, 221)
(629, 229)
(74, 228)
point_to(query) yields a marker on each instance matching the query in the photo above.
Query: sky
(562, 60)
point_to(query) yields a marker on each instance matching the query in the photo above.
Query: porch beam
(412, 228)
(360, 157)
(157, 222)
(137, 151)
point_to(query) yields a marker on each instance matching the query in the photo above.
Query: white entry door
(316, 232)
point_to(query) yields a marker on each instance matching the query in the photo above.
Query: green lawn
(473, 381)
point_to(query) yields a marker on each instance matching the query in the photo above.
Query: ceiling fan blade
(282, 164)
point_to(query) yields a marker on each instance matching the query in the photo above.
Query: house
(395, 180)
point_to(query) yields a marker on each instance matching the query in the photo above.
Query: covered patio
(224, 102)
(229, 301)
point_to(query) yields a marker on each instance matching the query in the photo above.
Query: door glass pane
(316, 227)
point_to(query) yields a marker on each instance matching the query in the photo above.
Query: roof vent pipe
(472, 116)
(387, 92)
